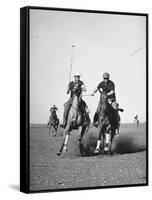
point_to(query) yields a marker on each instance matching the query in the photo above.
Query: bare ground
(49, 171)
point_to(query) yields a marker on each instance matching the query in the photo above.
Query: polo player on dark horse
(107, 111)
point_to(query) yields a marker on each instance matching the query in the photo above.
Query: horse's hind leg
(55, 131)
(49, 130)
(80, 134)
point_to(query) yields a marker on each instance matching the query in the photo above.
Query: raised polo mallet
(72, 55)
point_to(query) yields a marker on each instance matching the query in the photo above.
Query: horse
(53, 123)
(75, 120)
(108, 123)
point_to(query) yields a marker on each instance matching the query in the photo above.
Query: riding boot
(95, 120)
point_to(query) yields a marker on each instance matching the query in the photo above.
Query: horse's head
(103, 102)
(103, 97)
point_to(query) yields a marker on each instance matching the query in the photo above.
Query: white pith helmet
(77, 74)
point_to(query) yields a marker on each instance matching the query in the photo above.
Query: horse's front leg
(101, 131)
(55, 131)
(82, 131)
(107, 146)
(65, 141)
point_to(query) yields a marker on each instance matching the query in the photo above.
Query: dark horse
(75, 120)
(53, 122)
(108, 123)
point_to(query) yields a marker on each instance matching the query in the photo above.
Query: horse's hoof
(97, 151)
(64, 149)
(106, 149)
(59, 153)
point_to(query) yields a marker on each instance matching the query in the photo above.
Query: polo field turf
(48, 171)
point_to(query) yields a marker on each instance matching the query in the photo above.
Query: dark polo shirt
(107, 87)
(72, 84)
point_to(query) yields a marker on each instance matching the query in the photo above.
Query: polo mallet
(72, 55)
(87, 95)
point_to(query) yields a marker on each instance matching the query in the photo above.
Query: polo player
(108, 87)
(83, 107)
(53, 110)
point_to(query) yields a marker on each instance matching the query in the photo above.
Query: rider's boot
(95, 120)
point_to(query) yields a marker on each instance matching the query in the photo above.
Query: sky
(104, 43)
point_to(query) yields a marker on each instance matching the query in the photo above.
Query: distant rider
(53, 110)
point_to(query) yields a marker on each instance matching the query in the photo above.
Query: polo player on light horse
(76, 113)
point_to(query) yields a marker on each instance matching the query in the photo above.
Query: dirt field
(49, 171)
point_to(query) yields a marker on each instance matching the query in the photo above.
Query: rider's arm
(110, 93)
(94, 91)
(69, 87)
(68, 90)
(99, 87)
(112, 89)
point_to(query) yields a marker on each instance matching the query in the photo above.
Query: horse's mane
(104, 105)
(106, 110)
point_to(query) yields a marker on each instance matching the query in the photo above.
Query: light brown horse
(74, 120)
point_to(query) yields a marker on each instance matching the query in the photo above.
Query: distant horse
(108, 122)
(75, 120)
(53, 122)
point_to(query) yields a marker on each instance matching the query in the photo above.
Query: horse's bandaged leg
(108, 137)
(66, 140)
(98, 144)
